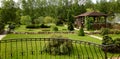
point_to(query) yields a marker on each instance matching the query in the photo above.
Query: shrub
(107, 40)
(44, 26)
(26, 20)
(54, 28)
(58, 47)
(39, 20)
(70, 27)
(49, 19)
(112, 46)
(1, 27)
(117, 45)
(32, 26)
(105, 31)
(115, 31)
(81, 32)
(37, 26)
(12, 26)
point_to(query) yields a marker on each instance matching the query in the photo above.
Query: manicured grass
(111, 35)
(23, 28)
(70, 36)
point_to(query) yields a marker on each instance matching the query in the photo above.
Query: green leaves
(8, 11)
(26, 20)
(81, 32)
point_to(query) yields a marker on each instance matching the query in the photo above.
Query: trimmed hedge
(81, 32)
(32, 26)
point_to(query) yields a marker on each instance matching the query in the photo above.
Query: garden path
(3, 35)
(95, 37)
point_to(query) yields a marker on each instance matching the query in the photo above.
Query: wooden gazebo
(99, 19)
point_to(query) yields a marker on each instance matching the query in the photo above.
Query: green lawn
(70, 36)
(25, 48)
(111, 35)
(23, 28)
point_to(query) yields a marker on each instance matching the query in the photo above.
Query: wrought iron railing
(31, 48)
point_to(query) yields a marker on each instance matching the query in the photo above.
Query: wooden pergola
(99, 19)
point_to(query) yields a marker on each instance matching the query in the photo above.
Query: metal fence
(31, 48)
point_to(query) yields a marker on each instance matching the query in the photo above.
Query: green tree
(81, 32)
(8, 11)
(49, 19)
(39, 20)
(70, 27)
(26, 20)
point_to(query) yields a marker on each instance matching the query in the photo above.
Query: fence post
(105, 52)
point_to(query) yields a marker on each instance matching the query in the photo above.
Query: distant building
(99, 20)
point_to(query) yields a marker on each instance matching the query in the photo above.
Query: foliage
(8, 11)
(49, 19)
(32, 26)
(115, 31)
(70, 27)
(105, 31)
(26, 20)
(88, 23)
(112, 46)
(58, 47)
(39, 20)
(117, 45)
(107, 40)
(11, 26)
(61, 11)
(59, 22)
(1, 27)
(81, 32)
(54, 28)
(44, 26)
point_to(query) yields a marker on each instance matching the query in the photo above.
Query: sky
(18, 0)
(92, 0)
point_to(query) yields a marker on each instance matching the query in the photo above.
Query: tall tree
(8, 13)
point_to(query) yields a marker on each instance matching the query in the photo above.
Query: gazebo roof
(92, 14)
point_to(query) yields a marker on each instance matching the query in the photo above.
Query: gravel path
(95, 37)
(2, 36)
